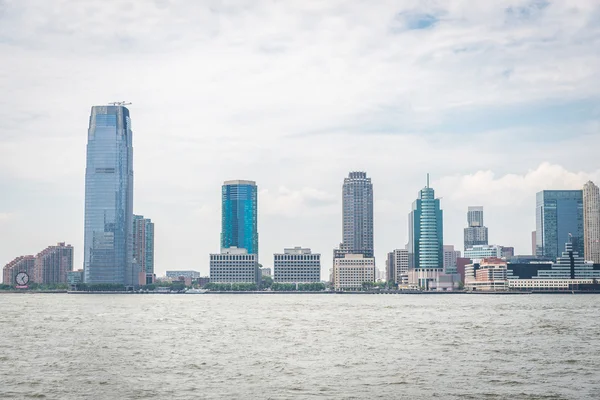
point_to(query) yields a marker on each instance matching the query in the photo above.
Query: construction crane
(120, 103)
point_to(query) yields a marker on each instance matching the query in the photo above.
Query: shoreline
(395, 292)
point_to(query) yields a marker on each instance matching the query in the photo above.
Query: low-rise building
(234, 265)
(351, 271)
(488, 275)
(74, 278)
(481, 251)
(296, 265)
(185, 274)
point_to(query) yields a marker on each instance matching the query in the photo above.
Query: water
(60, 346)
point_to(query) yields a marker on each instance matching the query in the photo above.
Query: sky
(495, 99)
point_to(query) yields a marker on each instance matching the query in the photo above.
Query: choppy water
(60, 346)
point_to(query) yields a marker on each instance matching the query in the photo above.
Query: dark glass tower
(358, 214)
(108, 249)
(239, 219)
(559, 219)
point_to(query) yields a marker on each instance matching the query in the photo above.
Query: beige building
(20, 264)
(491, 275)
(352, 270)
(591, 222)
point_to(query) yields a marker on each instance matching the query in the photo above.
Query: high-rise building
(20, 264)
(426, 237)
(559, 219)
(53, 264)
(476, 233)
(239, 218)
(390, 269)
(143, 248)
(533, 235)
(351, 271)
(234, 265)
(591, 222)
(108, 247)
(357, 215)
(396, 266)
(450, 256)
(297, 265)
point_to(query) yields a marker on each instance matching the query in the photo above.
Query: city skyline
(416, 101)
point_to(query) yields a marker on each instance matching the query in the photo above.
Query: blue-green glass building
(108, 224)
(239, 219)
(559, 220)
(426, 232)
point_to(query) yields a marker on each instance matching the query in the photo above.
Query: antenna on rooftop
(428, 179)
(119, 103)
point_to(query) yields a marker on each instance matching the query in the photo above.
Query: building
(507, 252)
(488, 275)
(234, 265)
(20, 264)
(351, 271)
(461, 263)
(74, 278)
(143, 248)
(184, 274)
(396, 266)
(296, 265)
(478, 252)
(570, 265)
(266, 272)
(559, 218)
(450, 256)
(533, 235)
(476, 233)
(591, 222)
(390, 269)
(426, 240)
(239, 216)
(357, 207)
(108, 247)
(53, 264)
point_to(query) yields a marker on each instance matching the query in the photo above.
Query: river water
(65, 346)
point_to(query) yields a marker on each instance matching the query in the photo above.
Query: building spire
(428, 180)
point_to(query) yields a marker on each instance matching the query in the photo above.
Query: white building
(234, 265)
(401, 265)
(481, 251)
(450, 256)
(297, 265)
(352, 271)
(591, 222)
(489, 275)
(547, 284)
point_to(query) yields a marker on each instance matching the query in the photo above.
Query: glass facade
(239, 219)
(559, 219)
(358, 214)
(108, 248)
(426, 232)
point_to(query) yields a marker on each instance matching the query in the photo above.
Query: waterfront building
(234, 265)
(396, 266)
(351, 271)
(591, 222)
(533, 246)
(559, 218)
(239, 216)
(507, 252)
(266, 272)
(20, 264)
(143, 248)
(184, 274)
(390, 269)
(570, 265)
(426, 238)
(53, 264)
(296, 265)
(476, 233)
(478, 252)
(108, 248)
(357, 221)
(450, 256)
(488, 275)
(74, 278)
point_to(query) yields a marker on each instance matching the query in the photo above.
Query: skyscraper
(239, 219)
(475, 233)
(426, 238)
(357, 214)
(143, 247)
(591, 222)
(559, 219)
(108, 250)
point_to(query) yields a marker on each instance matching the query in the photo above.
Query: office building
(426, 238)
(296, 265)
(53, 264)
(357, 215)
(476, 233)
(20, 264)
(533, 251)
(591, 222)
(266, 272)
(390, 269)
(488, 275)
(234, 265)
(559, 219)
(507, 252)
(351, 271)
(74, 278)
(450, 257)
(143, 248)
(185, 274)
(478, 252)
(396, 266)
(239, 217)
(108, 247)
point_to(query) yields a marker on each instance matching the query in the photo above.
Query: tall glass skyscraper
(426, 232)
(358, 214)
(108, 250)
(559, 219)
(239, 219)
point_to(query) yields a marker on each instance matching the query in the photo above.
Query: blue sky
(497, 100)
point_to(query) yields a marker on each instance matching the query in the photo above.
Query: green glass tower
(239, 219)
